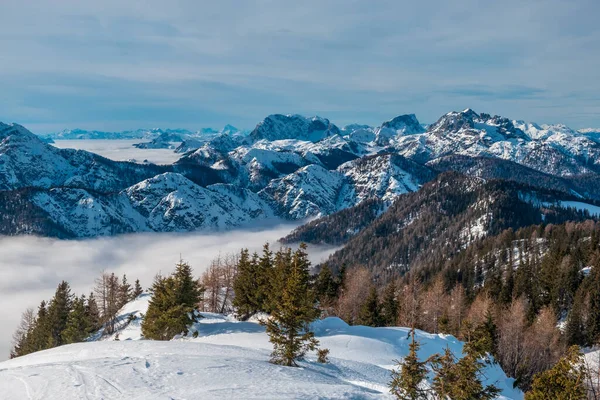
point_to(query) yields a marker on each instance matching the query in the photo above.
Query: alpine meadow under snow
(228, 360)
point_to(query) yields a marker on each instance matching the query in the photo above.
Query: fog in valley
(121, 150)
(32, 267)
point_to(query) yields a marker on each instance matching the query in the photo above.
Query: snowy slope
(289, 166)
(228, 359)
(553, 149)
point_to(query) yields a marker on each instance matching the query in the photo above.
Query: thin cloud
(231, 62)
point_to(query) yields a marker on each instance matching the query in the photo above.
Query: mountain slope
(436, 222)
(228, 359)
(553, 149)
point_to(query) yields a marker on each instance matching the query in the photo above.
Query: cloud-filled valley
(31, 267)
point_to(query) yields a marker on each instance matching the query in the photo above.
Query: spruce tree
(124, 292)
(263, 276)
(483, 339)
(574, 331)
(460, 380)
(444, 370)
(406, 383)
(22, 334)
(157, 322)
(38, 339)
(325, 287)
(468, 384)
(137, 290)
(289, 324)
(565, 381)
(389, 307)
(369, 312)
(58, 313)
(78, 325)
(188, 290)
(245, 286)
(93, 313)
(173, 304)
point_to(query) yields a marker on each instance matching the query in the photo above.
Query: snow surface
(578, 205)
(228, 359)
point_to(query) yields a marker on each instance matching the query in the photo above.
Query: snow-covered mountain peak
(278, 126)
(404, 124)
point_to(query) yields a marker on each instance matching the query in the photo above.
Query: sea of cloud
(121, 150)
(31, 267)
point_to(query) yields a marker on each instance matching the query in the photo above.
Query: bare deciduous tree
(434, 303)
(410, 303)
(354, 294)
(218, 281)
(511, 337)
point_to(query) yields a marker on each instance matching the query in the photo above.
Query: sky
(32, 267)
(117, 65)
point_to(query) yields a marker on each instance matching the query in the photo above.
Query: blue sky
(115, 65)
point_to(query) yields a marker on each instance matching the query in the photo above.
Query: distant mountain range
(288, 167)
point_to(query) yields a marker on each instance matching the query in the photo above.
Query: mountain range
(288, 167)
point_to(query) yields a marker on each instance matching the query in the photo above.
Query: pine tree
(157, 322)
(389, 307)
(245, 286)
(325, 287)
(38, 339)
(565, 381)
(188, 290)
(444, 370)
(172, 306)
(509, 285)
(124, 292)
(93, 313)
(289, 325)
(58, 313)
(264, 272)
(460, 380)
(281, 262)
(369, 312)
(137, 290)
(483, 339)
(21, 335)
(78, 325)
(574, 331)
(406, 383)
(468, 384)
